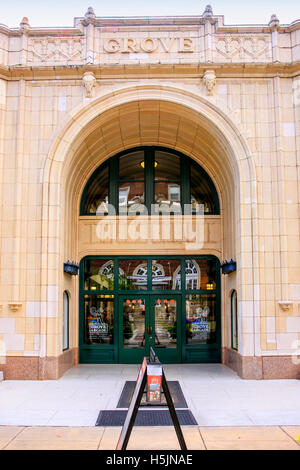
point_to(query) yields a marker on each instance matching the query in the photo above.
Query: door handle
(149, 330)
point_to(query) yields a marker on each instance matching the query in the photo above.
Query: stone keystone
(89, 81)
(210, 81)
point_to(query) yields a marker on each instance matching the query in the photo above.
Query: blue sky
(61, 12)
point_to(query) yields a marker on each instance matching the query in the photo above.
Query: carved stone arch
(223, 153)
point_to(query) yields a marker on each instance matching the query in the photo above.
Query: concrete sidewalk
(146, 438)
(214, 393)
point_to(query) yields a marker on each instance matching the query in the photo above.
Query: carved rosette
(89, 82)
(210, 81)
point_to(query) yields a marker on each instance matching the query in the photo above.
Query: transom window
(151, 180)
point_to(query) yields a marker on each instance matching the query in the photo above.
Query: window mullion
(149, 178)
(114, 184)
(185, 182)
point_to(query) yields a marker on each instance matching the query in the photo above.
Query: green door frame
(205, 353)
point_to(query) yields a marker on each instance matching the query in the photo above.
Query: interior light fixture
(143, 164)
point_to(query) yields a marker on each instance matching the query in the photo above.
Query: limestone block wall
(138, 69)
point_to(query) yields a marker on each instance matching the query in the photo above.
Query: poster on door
(97, 327)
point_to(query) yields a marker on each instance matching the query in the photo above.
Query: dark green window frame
(66, 321)
(234, 320)
(186, 164)
(109, 353)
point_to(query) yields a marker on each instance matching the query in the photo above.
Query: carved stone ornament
(285, 305)
(208, 15)
(89, 81)
(15, 306)
(210, 81)
(89, 17)
(24, 25)
(274, 23)
(208, 12)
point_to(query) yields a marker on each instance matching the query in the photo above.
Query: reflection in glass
(165, 274)
(167, 167)
(165, 323)
(201, 191)
(192, 275)
(96, 196)
(201, 319)
(98, 319)
(167, 182)
(167, 197)
(131, 197)
(99, 274)
(130, 166)
(200, 274)
(134, 323)
(132, 274)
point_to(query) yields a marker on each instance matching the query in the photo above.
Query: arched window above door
(149, 180)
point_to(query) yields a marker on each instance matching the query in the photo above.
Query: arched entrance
(131, 303)
(172, 118)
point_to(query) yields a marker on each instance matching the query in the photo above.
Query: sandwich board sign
(151, 374)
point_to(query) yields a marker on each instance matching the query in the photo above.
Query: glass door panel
(134, 327)
(98, 319)
(201, 319)
(165, 323)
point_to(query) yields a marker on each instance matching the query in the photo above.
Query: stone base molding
(264, 367)
(38, 368)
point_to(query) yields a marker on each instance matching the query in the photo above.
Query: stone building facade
(227, 98)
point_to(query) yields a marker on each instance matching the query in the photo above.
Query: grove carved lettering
(149, 45)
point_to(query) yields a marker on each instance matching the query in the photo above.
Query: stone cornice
(222, 70)
(154, 21)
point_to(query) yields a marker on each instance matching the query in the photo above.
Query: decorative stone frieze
(243, 47)
(203, 39)
(89, 82)
(55, 49)
(210, 81)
